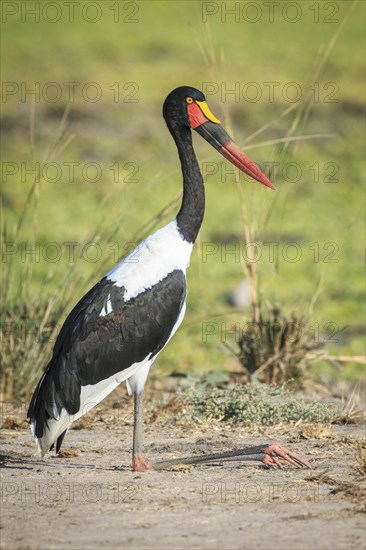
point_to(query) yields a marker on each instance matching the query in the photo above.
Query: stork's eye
(189, 100)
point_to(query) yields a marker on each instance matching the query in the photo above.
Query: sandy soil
(89, 498)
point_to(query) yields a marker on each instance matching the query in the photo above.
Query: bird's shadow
(29, 463)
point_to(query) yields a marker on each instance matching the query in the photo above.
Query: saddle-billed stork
(121, 325)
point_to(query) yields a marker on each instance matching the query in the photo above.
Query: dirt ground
(89, 498)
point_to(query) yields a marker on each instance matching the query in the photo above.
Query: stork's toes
(278, 456)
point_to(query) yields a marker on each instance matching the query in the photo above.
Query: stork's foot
(276, 456)
(140, 464)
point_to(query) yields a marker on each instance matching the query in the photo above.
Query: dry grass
(68, 453)
(26, 339)
(353, 491)
(361, 459)
(14, 423)
(353, 410)
(316, 431)
(276, 348)
(166, 410)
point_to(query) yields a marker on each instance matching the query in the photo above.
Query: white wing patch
(160, 254)
(106, 310)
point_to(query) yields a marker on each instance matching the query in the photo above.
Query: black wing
(92, 347)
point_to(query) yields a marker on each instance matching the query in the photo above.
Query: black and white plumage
(120, 326)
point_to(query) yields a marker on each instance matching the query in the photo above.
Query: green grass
(161, 51)
(256, 404)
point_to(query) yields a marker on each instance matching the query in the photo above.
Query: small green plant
(256, 404)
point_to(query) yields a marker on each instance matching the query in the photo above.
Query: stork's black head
(186, 107)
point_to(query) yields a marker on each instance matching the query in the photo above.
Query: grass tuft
(276, 348)
(26, 339)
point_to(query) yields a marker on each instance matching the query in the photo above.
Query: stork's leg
(139, 463)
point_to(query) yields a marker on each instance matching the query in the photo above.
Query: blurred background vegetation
(109, 172)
